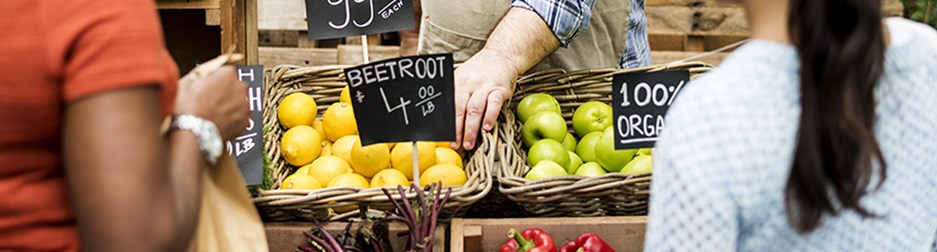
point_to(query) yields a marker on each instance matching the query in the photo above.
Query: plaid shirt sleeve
(566, 18)
(637, 51)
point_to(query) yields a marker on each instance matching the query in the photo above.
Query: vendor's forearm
(522, 39)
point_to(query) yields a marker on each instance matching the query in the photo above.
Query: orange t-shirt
(53, 52)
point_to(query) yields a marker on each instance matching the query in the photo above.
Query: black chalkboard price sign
(404, 99)
(248, 148)
(342, 18)
(639, 103)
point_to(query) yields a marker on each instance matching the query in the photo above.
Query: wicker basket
(325, 83)
(609, 194)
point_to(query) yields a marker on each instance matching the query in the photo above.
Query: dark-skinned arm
(120, 181)
(131, 188)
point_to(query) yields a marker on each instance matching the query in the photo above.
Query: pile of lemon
(328, 151)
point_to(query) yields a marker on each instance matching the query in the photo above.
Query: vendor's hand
(218, 97)
(482, 84)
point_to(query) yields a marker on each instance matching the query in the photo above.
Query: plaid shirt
(567, 18)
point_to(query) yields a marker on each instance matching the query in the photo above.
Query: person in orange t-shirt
(84, 86)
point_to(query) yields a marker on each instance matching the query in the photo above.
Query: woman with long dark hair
(818, 135)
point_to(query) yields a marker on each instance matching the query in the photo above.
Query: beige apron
(462, 27)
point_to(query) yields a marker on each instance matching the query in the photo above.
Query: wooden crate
(622, 233)
(342, 55)
(283, 39)
(695, 26)
(287, 236)
(199, 30)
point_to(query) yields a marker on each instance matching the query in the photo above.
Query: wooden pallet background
(677, 29)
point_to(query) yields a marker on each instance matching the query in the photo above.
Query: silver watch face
(216, 146)
(209, 139)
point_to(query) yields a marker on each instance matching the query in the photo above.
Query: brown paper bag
(228, 221)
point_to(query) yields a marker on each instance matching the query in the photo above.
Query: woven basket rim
(324, 83)
(571, 195)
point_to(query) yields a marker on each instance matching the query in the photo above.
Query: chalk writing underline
(638, 140)
(428, 99)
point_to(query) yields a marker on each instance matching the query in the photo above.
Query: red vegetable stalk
(587, 242)
(531, 240)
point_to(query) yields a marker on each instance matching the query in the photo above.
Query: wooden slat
(667, 41)
(228, 32)
(188, 4)
(287, 236)
(213, 17)
(624, 234)
(703, 21)
(279, 38)
(351, 54)
(664, 57)
(374, 39)
(696, 3)
(281, 15)
(250, 31)
(274, 56)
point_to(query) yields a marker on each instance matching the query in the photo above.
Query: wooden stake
(364, 49)
(416, 166)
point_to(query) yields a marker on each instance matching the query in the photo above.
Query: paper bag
(228, 221)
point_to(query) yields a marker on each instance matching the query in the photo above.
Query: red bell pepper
(587, 242)
(531, 240)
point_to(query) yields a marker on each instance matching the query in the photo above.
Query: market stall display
(546, 169)
(360, 170)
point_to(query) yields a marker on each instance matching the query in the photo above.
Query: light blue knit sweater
(723, 159)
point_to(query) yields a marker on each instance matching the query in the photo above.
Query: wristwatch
(209, 139)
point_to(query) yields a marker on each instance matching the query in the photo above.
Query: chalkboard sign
(249, 148)
(639, 103)
(342, 18)
(404, 99)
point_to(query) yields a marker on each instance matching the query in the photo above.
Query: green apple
(591, 117)
(590, 169)
(610, 159)
(586, 146)
(569, 141)
(534, 103)
(639, 165)
(645, 151)
(548, 149)
(544, 125)
(545, 169)
(574, 163)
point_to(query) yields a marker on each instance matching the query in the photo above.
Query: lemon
(401, 158)
(301, 181)
(345, 96)
(368, 160)
(301, 170)
(447, 174)
(326, 149)
(297, 109)
(445, 155)
(389, 177)
(349, 180)
(300, 145)
(342, 147)
(324, 169)
(338, 121)
(317, 124)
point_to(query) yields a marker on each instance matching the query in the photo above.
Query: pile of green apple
(553, 151)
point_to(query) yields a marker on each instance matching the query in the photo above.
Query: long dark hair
(842, 51)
